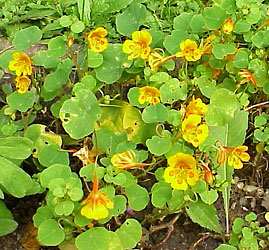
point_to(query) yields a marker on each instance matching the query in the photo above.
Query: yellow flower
(196, 107)
(181, 171)
(21, 64)
(138, 46)
(97, 203)
(97, 41)
(126, 160)
(149, 95)
(237, 155)
(22, 84)
(189, 50)
(228, 26)
(194, 132)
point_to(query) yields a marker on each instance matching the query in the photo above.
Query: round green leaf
(222, 50)
(94, 59)
(182, 22)
(52, 154)
(49, 233)
(55, 80)
(42, 214)
(108, 140)
(174, 117)
(173, 90)
(42, 138)
(138, 197)
(21, 102)
(155, 113)
(241, 26)
(80, 113)
(65, 21)
(197, 24)
(177, 200)
(98, 237)
(214, 17)
(53, 172)
(87, 82)
(226, 247)
(26, 37)
(129, 233)
(209, 197)
(158, 146)
(160, 77)
(260, 121)
(64, 208)
(77, 27)
(161, 193)
(171, 42)
(241, 59)
(119, 205)
(57, 46)
(131, 19)
(114, 62)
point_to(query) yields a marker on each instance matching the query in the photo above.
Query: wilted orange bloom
(181, 171)
(206, 48)
(155, 59)
(21, 64)
(149, 95)
(193, 131)
(126, 160)
(196, 107)
(22, 83)
(85, 155)
(138, 46)
(189, 51)
(228, 26)
(97, 41)
(248, 77)
(237, 155)
(97, 203)
(222, 156)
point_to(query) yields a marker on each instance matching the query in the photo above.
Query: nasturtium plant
(121, 116)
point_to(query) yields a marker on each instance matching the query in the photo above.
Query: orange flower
(138, 46)
(181, 171)
(237, 155)
(189, 50)
(97, 203)
(149, 95)
(21, 64)
(22, 84)
(193, 131)
(248, 77)
(97, 41)
(126, 160)
(228, 26)
(196, 107)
